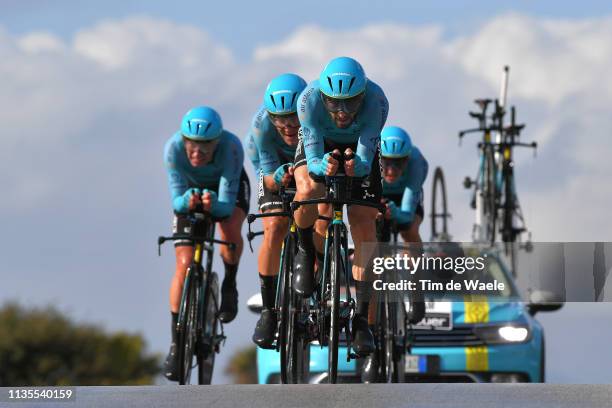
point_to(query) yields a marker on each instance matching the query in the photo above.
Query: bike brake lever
(250, 237)
(160, 241)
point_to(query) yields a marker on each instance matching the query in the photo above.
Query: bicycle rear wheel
(336, 272)
(187, 333)
(439, 211)
(210, 325)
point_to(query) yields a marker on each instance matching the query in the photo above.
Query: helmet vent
(330, 84)
(293, 98)
(351, 84)
(283, 102)
(273, 101)
(340, 81)
(207, 127)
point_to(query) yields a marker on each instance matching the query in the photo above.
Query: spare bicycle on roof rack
(495, 197)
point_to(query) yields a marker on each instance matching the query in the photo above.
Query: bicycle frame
(338, 191)
(198, 281)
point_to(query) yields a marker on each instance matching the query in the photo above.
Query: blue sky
(243, 25)
(102, 88)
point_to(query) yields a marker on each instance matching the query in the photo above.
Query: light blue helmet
(395, 142)
(201, 124)
(342, 77)
(282, 94)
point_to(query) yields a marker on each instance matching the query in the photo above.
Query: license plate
(438, 316)
(422, 364)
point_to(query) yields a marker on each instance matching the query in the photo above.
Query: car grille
(458, 336)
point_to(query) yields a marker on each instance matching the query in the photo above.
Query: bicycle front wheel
(284, 332)
(393, 327)
(210, 325)
(397, 313)
(336, 271)
(187, 333)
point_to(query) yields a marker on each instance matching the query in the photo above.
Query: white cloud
(37, 42)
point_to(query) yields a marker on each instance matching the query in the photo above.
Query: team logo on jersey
(260, 187)
(367, 195)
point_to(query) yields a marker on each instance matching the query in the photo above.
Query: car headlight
(513, 334)
(502, 334)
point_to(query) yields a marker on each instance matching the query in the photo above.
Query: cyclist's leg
(320, 228)
(305, 217)
(363, 229)
(275, 230)
(230, 229)
(362, 221)
(410, 234)
(184, 255)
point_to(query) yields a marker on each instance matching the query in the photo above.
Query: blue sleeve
(413, 191)
(312, 140)
(177, 184)
(375, 118)
(252, 152)
(263, 136)
(229, 184)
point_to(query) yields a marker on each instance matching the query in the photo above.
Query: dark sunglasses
(348, 105)
(289, 120)
(397, 163)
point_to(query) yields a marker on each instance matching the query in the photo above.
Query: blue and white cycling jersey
(223, 171)
(252, 152)
(410, 186)
(317, 126)
(270, 146)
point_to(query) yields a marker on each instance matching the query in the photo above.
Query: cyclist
(404, 171)
(274, 136)
(204, 164)
(342, 113)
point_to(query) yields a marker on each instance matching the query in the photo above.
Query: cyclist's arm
(263, 135)
(252, 152)
(229, 184)
(270, 162)
(176, 182)
(375, 116)
(417, 169)
(312, 138)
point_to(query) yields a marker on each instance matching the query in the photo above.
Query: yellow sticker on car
(476, 311)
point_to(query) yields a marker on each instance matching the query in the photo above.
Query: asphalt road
(346, 395)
